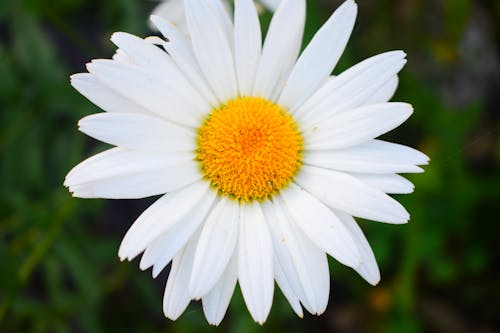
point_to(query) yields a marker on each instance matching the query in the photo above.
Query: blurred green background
(59, 270)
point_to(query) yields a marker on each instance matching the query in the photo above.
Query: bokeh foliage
(59, 270)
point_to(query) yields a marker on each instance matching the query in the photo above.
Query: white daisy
(265, 158)
(173, 10)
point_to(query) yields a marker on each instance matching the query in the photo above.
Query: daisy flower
(262, 157)
(173, 10)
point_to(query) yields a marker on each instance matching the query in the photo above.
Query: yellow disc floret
(249, 148)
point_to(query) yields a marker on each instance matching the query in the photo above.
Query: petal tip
(194, 292)
(155, 272)
(158, 21)
(213, 323)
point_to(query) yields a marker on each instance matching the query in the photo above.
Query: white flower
(265, 158)
(173, 10)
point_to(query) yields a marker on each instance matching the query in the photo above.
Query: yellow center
(249, 148)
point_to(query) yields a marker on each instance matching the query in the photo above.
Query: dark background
(59, 270)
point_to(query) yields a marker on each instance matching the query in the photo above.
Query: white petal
(281, 48)
(375, 156)
(356, 126)
(137, 131)
(137, 185)
(255, 267)
(161, 216)
(346, 193)
(321, 225)
(215, 248)
(221, 10)
(102, 96)
(212, 48)
(119, 173)
(368, 268)
(247, 44)
(388, 183)
(162, 249)
(179, 48)
(286, 288)
(351, 88)
(320, 57)
(215, 303)
(155, 94)
(117, 161)
(300, 259)
(384, 93)
(318, 271)
(176, 297)
(285, 272)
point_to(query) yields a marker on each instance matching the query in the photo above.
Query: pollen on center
(249, 148)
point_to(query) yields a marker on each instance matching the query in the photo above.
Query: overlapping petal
(351, 195)
(375, 156)
(388, 183)
(138, 132)
(215, 248)
(157, 95)
(304, 264)
(215, 303)
(356, 126)
(103, 96)
(176, 297)
(179, 48)
(352, 88)
(162, 249)
(321, 225)
(165, 213)
(368, 267)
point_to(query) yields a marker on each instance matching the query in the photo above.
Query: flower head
(262, 157)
